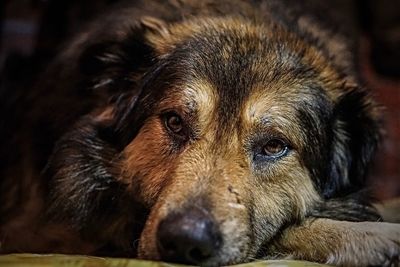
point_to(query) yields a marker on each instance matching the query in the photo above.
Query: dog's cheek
(269, 212)
(147, 162)
(284, 195)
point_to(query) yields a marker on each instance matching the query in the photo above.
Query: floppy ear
(356, 135)
(114, 61)
(114, 66)
(85, 193)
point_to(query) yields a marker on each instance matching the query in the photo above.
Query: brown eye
(275, 148)
(174, 123)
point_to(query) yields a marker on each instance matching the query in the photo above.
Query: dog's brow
(257, 105)
(276, 121)
(265, 112)
(202, 95)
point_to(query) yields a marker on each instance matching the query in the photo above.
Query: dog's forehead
(277, 103)
(231, 85)
(235, 77)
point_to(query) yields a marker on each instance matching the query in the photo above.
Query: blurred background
(31, 32)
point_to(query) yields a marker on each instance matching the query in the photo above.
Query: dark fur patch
(355, 138)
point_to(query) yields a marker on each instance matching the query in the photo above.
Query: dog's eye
(275, 148)
(174, 123)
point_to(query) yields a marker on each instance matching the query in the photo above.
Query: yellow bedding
(33, 260)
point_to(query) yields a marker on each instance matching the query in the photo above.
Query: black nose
(189, 237)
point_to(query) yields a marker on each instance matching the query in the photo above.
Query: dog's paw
(341, 243)
(368, 244)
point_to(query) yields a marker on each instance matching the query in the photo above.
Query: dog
(199, 132)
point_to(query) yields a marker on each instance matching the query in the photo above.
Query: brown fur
(337, 242)
(100, 157)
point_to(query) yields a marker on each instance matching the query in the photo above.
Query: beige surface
(28, 260)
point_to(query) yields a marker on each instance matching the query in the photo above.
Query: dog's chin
(227, 255)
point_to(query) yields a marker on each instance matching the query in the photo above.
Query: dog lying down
(199, 132)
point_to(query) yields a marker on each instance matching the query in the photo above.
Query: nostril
(188, 237)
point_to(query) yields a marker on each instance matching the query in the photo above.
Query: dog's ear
(114, 60)
(356, 133)
(114, 65)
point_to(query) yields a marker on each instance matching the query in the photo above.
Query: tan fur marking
(272, 104)
(202, 94)
(148, 161)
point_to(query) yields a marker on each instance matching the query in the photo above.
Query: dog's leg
(341, 243)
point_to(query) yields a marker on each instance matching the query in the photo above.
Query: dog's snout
(188, 237)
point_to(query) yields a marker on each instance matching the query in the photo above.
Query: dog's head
(223, 132)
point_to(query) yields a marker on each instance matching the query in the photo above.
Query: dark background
(31, 32)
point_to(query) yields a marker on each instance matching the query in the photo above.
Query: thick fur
(92, 167)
